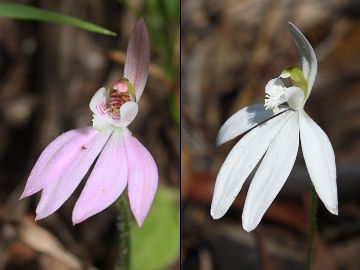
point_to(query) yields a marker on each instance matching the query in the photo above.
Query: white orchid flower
(276, 137)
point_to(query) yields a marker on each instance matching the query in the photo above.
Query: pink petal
(142, 179)
(81, 154)
(106, 182)
(138, 58)
(54, 158)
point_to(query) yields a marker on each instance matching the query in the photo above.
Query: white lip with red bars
(122, 159)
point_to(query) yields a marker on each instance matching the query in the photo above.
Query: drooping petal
(241, 160)
(244, 120)
(295, 97)
(106, 182)
(320, 161)
(138, 58)
(272, 173)
(47, 165)
(142, 179)
(73, 170)
(307, 54)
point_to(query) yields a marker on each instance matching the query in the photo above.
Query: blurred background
(230, 49)
(48, 74)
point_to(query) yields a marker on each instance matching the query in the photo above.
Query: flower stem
(123, 225)
(312, 226)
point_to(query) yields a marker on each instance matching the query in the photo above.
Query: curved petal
(307, 54)
(143, 178)
(243, 120)
(295, 97)
(106, 182)
(138, 58)
(98, 99)
(72, 171)
(320, 161)
(97, 105)
(272, 173)
(46, 167)
(128, 112)
(241, 160)
(273, 85)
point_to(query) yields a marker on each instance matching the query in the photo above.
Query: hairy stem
(312, 227)
(123, 225)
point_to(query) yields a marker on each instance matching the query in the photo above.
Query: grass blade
(25, 12)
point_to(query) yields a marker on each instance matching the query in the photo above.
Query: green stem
(312, 226)
(124, 235)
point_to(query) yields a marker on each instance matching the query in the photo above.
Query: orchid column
(123, 160)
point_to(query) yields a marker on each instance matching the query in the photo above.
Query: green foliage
(156, 244)
(25, 12)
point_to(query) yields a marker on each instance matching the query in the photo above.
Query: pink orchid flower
(122, 160)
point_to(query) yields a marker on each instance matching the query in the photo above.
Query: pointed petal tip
(219, 141)
(141, 21)
(334, 211)
(212, 214)
(215, 213)
(140, 222)
(27, 193)
(292, 26)
(139, 218)
(140, 24)
(75, 222)
(23, 196)
(248, 228)
(247, 225)
(77, 216)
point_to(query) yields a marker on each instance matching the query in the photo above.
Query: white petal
(273, 85)
(128, 112)
(295, 97)
(241, 160)
(320, 161)
(272, 173)
(307, 54)
(100, 123)
(244, 120)
(98, 99)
